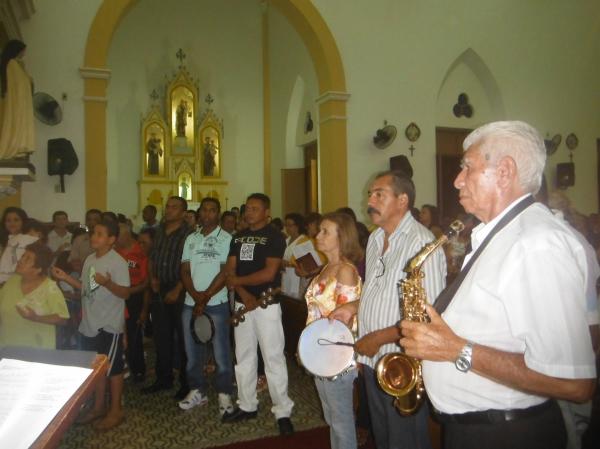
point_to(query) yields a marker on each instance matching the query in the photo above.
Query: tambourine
(265, 299)
(203, 328)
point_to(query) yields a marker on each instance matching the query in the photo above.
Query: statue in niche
(181, 118)
(210, 154)
(185, 186)
(155, 152)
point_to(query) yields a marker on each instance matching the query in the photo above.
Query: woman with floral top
(336, 284)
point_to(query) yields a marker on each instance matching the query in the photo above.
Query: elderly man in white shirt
(513, 336)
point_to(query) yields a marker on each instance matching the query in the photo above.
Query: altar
(180, 147)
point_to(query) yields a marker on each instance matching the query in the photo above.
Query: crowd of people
(508, 351)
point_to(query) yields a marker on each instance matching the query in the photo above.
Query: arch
(324, 53)
(294, 110)
(484, 75)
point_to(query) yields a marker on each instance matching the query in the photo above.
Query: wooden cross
(209, 99)
(412, 149)
(180, 55)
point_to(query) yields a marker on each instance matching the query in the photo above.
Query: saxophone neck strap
(448, 293)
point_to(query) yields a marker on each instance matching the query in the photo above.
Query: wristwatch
(463, 362)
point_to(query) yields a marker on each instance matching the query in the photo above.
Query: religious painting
(184, 186)
(210, 152)
(183, 116)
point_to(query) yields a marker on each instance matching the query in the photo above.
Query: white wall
(294, 89)
(222, 41)
(546, 61)
(56, 36)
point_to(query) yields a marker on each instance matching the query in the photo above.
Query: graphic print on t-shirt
(247, 251)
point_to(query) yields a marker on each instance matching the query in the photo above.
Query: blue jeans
(197, 352)
(338, 410)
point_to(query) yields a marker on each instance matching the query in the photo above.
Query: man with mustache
(398, 239)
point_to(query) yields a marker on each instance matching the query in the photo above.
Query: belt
(493, 416)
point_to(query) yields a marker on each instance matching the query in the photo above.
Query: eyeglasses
(380, 270)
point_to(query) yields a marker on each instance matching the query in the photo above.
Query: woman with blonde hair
(336, 284)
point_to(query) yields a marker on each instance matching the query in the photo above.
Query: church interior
(303, 100)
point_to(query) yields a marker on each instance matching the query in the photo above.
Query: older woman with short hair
(31, 304)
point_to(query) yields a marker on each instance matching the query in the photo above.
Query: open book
(31, 394)
(307, 256)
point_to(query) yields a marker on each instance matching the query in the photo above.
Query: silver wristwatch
(463, 362)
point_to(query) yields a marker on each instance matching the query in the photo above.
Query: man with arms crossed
(514, 334)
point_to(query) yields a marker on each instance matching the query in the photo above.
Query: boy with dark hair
(59, 239)
(104, 287)
(80, 246)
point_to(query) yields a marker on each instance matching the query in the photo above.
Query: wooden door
(449, 153)
(311, 166)
(293, 186)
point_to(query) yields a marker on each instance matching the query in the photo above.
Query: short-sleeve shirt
(205, 255)
(46, 299)
(102, 309)
(251, 250)
(137, 261)
(55, 241)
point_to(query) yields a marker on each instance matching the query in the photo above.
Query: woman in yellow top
(31, 304)
(336, 284)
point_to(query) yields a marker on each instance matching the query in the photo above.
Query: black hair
(77, 232)
(260, 197)
(33, 225)
(434, 212)
(150, 231)
(181, 200)
(93, 211)
(11, 50)
(43, 256)
(112, 227)
(277, 224)
(401, 183)
(313, 217)
(58, 213)
(108, 215)
(152, 207)
(226, 214)
(14, 210)
(209, 199)
(298, 221)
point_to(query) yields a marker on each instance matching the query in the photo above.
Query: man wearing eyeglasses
(398, 239)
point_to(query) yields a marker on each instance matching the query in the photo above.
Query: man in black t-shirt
(252, 267)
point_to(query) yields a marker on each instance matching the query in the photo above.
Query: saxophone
(398, 374)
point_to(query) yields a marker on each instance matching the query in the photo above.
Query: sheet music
(31, 394)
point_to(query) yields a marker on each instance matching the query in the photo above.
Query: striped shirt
(380, 304)
(166, 255)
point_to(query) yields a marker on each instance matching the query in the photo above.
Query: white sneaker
(193, 398)
(225, 404)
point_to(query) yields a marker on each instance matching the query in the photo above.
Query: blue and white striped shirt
(379, 303)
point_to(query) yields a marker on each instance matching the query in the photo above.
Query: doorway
(300, 186)
(449, 154)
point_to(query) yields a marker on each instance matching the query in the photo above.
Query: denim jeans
(197, 352)
(338, 410)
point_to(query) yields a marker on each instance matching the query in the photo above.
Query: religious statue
(181, 118)
(155, 152)
(16, 103)
(184, 189)
(210, 153)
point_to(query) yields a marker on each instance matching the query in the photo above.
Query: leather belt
(493, 416)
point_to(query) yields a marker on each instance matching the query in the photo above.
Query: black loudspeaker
(401, 163)
(565, 175)
(62, 159)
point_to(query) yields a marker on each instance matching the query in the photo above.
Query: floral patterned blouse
(322, 297)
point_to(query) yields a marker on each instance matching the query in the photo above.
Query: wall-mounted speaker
(401, 163)
(565, 175)
(62, 159)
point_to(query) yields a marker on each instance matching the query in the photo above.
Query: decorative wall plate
(552, 144)
(572, 141)
(412, 132)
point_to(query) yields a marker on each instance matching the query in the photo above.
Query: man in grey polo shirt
(204, 252)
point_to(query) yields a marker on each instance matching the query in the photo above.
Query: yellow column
(333, 162)
(95, 83)
(266, 101)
